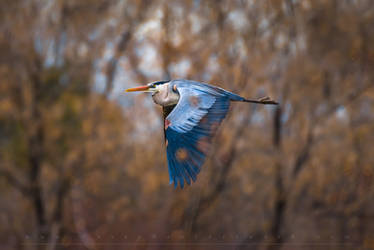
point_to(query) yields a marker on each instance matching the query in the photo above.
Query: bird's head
(162, 92)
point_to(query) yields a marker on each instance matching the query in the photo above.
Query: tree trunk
(280, 200)
(35, 158)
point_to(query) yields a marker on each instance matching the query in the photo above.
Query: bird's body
(193, 112)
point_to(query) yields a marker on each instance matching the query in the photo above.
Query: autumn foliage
(83, 165)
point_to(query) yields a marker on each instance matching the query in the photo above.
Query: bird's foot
(267, 100)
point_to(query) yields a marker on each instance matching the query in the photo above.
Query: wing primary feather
(184, 175)
(179, 176)
(175, 177)
(171, 169)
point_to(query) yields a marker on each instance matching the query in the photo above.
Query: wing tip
(180, 182)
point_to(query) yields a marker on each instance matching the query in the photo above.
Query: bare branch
(304, 154)
(113, 62)
(15, 182)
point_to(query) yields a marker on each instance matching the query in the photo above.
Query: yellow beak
(141, 88)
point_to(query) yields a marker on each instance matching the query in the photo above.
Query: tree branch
(112, 63)
(15, 182)
(304, 154)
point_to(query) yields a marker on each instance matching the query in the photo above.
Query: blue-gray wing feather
(190, 127)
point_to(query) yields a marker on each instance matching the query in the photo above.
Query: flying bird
(192, 113)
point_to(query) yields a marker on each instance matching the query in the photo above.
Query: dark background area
(83, 165)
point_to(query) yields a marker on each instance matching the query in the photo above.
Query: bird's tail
(263, 100)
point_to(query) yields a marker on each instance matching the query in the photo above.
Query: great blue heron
(192, 113)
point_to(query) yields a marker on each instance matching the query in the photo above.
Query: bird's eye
(174, 88)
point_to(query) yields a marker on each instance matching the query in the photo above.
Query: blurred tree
(90, 164)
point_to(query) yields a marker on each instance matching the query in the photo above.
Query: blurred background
(83, 165)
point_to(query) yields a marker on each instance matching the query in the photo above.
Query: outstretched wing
(190, 126)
